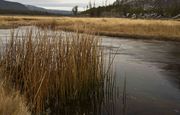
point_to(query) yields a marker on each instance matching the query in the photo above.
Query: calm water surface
(152, 72)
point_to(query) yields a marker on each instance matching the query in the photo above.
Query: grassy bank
(117, 27)
(57, 73)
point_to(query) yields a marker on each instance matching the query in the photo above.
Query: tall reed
(58, 73)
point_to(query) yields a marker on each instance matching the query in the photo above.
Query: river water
(152, 72)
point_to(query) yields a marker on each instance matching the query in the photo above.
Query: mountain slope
(14, 6)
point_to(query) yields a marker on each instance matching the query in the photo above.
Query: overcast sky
(62, 4)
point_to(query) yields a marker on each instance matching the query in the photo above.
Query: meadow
(114, 27)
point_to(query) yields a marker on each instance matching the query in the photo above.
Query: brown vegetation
(56, 72)
(118, 27)
(11, 103)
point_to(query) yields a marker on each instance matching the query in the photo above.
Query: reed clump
(56, 72)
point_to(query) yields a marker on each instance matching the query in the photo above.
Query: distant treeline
(20, 12)
(142, 8)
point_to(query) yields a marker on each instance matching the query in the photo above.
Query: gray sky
(62, 4)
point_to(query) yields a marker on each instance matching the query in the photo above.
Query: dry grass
(56, 72)
(134, 28)
(151, 29)
(15, 21)
(11, 103)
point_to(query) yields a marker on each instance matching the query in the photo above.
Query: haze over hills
(35, 8)
(6, 6)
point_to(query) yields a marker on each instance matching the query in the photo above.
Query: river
(152, 72)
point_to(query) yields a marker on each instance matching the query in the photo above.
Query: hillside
(7, 7)
(137, 9)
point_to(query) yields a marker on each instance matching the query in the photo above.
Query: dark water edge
(147, 79)
(152, 70)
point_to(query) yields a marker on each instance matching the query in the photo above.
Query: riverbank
(114, 27)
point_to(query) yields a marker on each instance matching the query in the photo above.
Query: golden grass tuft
(55, 71)
(11, 103)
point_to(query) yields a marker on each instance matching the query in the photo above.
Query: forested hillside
(136, 9)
